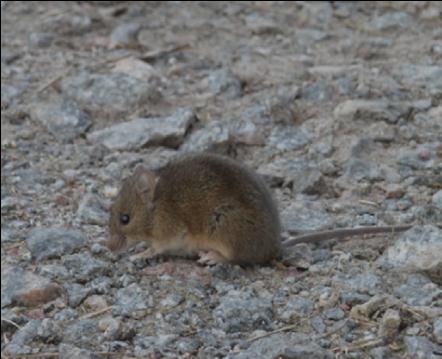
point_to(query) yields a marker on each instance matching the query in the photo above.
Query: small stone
(334, 313)
(63, 119)
(225, 82)
(390, 21)
(124, 35)
(83, 267)
(421, 348)
(132, 301)
(302, 351)
(25, 288)
(417, 249)
(160, 131)
(297, 307)
(241, 311)
(95, 303)
(380, 353)
(137, 69)
(66, 314)
(76, 294)
(19, 344)
(305, 215)
(111, 94)
(437, 199)
(111, 328)
(67, 351)
(418, 290)
(83, 333)
(437, 330)
(91, 210)
(246, 132)
(426, 76)
(213, 137)
(289, 138)
(40, 39)
(172, 300)
(45, 243)
(367, 111)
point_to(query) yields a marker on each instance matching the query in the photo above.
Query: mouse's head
(132, 210)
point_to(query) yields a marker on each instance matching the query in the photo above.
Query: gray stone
(289, 138)
(380, 353)
(62, 118)
(146, 346)
(125, 34)
(437, 199)
(40, 39)
(305, 215)
(246, 132)
(132, 301)
(172, 300)
(66, 314)
(108, 94)
(437, 330)
(319, 91)
(91, 210)
(19, 286)
(158, 131)
(426, 76)
(54, 271)
(83, 267)
(418, 290)
(361, 169)
(367, 111)
(366, 283)
(67, 351)
(390, 21)
(213, 137)
(19, 344)
(297, 307)
(76, 293)
(418, 249)
(224, 82)
(243, 310)
(44, 243)
(302, 351)
(299, 173)
(422, 348)
(334, 313)
(83, 333)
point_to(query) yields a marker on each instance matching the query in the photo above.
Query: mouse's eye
(124, 219)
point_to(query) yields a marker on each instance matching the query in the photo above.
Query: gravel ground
(337, 104)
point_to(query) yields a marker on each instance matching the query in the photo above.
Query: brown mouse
(199, 204)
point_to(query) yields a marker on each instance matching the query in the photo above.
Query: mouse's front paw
(149, 253)
(210, 258)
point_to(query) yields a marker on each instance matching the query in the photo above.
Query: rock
(437, 330)
(66, 314)
(91, 210)
(67, 351)
(83, 267)
(147, 346)
(45, 243)
(319, 91)
(366, 283)
(298, 173)
(63, 119)
(358, 169)
(132, 301)
(417, 249)
(283, 345)
(25, 288)
(159, 131)
(213, 137)
(426, 76)
(296, 307)
(421, 348)
(68, 24)
(418, 290)
(124, 35)
(367, 111)
(334, 313)
(108, 94)
(172, 300)
(76, 293)
(246, 132)
(224, 82)
(289, 138)
(83, 333)
(305, 215)
(95, 303)
(40, 39)
(390, 21)
(437, 199)
(137, 69)
(111, 327)
(241, 311)
(54, 271)
(380, 353)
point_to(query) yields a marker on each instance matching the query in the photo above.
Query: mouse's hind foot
(210, 258)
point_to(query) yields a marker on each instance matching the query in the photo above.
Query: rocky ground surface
(337, 104)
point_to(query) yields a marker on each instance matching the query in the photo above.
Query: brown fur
(199, 202)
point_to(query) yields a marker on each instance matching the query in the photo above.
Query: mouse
(209, 207)
(202, 205)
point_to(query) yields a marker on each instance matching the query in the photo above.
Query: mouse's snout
(116, 242)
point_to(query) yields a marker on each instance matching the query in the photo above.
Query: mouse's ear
(145, 181)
